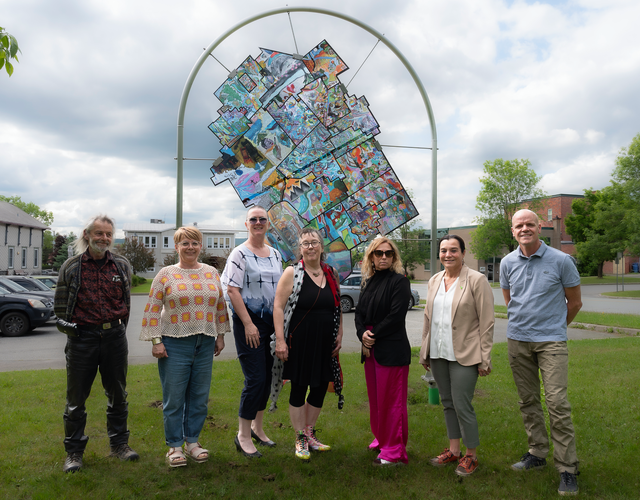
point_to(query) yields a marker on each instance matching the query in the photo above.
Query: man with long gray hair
(92, 302)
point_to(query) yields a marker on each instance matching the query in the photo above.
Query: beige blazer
(472, 319)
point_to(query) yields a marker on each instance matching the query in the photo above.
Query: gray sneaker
(73, 462)
(529, 462)
(124, 452)
(568, 484)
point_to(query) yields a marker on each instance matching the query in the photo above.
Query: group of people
(288, 326)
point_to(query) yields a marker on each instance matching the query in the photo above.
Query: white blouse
(441, 333)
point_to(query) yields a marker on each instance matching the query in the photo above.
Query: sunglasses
(255, 220)
(386, 253)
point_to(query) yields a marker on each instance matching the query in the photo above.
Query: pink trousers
(387, 391)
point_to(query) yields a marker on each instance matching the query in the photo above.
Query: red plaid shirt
(101, 296)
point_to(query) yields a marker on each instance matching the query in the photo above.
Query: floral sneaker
(302, 446)
(467, 466)
(314, 444)
(446, 457)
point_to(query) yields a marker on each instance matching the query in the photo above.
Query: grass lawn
(595, 318)
(603, 391)
(626, 293)
(609, 280)
(143, 288)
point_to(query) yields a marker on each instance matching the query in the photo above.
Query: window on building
(12, 251)
(215, 242)
(209, 242)
(147, 241)
(165, 242)
(23, 256)
(427, 266)
(226, 242)
(153, 241)
(549, 214)
(36, 257)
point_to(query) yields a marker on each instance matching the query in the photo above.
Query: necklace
(316, 272)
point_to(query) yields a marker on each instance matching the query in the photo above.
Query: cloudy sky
(88, 120)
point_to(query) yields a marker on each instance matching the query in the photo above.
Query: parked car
(13, 284)
(20, 313)
(350, 293)
(50, 281)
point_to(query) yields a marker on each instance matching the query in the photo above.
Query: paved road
(44, 347)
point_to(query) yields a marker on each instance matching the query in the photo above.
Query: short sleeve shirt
(538, 308)
(256, 277)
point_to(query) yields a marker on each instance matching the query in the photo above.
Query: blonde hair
(187, 233)
(368, 268)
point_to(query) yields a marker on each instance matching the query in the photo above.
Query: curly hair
(368, 268)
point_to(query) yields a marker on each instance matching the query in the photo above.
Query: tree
(413, 246)
(63, 252)
(30, 208)
(626, 177)
(47, 245)
(597, 227)
(57, 244)
(504, 188)
(8, 50)
(139, 257)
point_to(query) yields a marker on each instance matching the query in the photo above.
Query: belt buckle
(113, 324)
(106, 326)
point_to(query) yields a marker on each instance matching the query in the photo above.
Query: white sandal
(175, 457)
(196, 452)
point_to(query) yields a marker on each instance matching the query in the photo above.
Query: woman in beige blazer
(456, 346)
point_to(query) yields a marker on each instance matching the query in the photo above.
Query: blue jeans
(185, 376)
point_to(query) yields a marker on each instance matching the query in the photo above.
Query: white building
(20, 241)
(156, 235)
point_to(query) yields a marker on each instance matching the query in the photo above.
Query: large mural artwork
(296, 143)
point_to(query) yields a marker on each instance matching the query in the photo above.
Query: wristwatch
(156, 340)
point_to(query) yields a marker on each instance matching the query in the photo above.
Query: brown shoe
(467, 466)
(446, 457)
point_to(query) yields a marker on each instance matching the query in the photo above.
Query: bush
(137, 280)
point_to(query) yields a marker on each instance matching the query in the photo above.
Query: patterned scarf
(278, 365)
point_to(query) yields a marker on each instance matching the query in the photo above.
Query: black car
(20, 313)
(30, 286)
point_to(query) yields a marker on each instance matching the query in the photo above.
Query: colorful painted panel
(294, 142)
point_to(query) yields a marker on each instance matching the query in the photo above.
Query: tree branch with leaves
(8, 50)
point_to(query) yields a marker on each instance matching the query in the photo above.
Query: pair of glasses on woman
(386, 253)
(310, 244)
(255, 220)
(187, 244)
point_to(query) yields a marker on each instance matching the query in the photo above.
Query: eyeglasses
(310, 244)
(386, 253)
(255, 220)
(187, 244)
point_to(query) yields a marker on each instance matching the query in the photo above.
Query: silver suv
(350, 293)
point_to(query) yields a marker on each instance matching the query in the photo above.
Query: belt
(102, 326)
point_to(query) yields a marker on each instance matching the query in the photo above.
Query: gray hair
(318, 234)
(81, 245)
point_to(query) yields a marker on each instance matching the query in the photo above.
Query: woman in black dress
(308, 332)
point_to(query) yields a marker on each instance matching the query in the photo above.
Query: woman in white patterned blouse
(185, 319)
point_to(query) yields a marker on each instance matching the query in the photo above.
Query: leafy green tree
(504, 187)
(63, 251)
(626, 177)
(597, 226)
(8, 50)
(47, 245)
(30, 208)
(413, 246)
(57, 244)
(139, 257)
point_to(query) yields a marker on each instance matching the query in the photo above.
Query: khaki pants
(552, 361)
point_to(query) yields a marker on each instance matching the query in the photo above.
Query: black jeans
(92, 349)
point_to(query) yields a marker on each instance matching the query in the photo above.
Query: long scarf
(278, 365)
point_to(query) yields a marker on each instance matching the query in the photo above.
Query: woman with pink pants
(386, 352)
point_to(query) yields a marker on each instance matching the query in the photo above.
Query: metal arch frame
(379, 36)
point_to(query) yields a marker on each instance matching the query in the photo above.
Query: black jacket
(383, 304)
